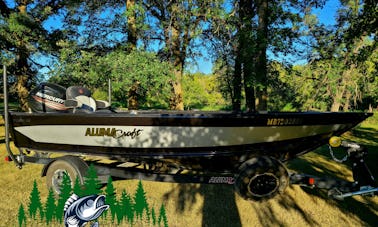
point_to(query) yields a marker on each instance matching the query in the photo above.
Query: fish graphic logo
(79, 211)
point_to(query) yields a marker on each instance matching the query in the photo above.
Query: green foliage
(163, 217)
(126, 208)
(111, 198)
(124, 69)
(24, 41)
(21, 216)
(153, 216)
(50, 207)
(145, 68)
(35, 204)
(91, 46)
(201, 91)
(140, 202)
(92, 185)
(77, 188)
(65, 193)
(99, 94)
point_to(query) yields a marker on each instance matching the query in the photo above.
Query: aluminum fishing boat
(195, 140)
(246, 150)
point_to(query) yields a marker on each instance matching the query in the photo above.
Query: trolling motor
(364, 183)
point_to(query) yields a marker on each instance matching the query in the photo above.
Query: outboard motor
(47, 97)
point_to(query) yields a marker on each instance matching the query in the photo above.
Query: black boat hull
(197, 140)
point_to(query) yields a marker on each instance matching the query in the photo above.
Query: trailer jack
(364, 183)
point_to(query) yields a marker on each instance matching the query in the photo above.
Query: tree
(140, 202)
(178, 25)
(153, 216)
(50, 207)
(23, 38)
(65, 193)
(77, 187)
(163, 216)
(340, 70)
(111, 197)
(131, 24)
(261, 57)
(138, 78)
(21, 216)
(35, 204)
(201, 91)
(261, 27)
(125, 208)
(92, 185)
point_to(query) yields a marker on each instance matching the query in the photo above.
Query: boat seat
(79, 99)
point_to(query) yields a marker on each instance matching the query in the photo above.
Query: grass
(210, 205)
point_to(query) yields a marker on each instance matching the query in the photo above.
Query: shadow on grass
(265, 211)
(219, 205)
(220, 208)
(364, 207)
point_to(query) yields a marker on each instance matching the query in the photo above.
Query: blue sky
(326, 15)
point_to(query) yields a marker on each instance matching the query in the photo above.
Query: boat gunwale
(189, 119)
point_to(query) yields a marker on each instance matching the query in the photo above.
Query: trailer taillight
(311, 181)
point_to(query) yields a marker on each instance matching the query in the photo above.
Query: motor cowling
(47, 97)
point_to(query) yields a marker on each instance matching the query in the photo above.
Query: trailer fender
(76, 161)
(73, 166)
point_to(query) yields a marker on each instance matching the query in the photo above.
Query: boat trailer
(364, 183)
(257, 178)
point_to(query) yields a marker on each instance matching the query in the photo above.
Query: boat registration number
(283, 121)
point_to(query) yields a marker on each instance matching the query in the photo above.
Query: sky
(326, 15)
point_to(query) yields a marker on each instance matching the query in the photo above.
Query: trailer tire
(261, 178)
(73, 166)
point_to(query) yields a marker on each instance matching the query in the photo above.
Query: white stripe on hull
(167, 136)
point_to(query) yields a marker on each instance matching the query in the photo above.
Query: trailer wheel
(72, 166)
(261, 178)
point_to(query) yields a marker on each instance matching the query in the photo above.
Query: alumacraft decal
(113, 132)
(222, 180)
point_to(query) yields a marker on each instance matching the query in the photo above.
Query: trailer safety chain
(336, 159)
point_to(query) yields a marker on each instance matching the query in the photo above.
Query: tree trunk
(176, 102)
(261, 59)
(336, 104)
(133, 96)
(131, 24)
(348, 96)
(246, 52)
(178, 57)
(22, 68)
(237, 83)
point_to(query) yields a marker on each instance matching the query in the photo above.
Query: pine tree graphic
(77, 188)
(111, 199)
(163, 216)
(125, 208)
(92, 184)
(65, 193)
(21, 216)
(153, 216)
(140, 202)
(50, 207)
(35, 204)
